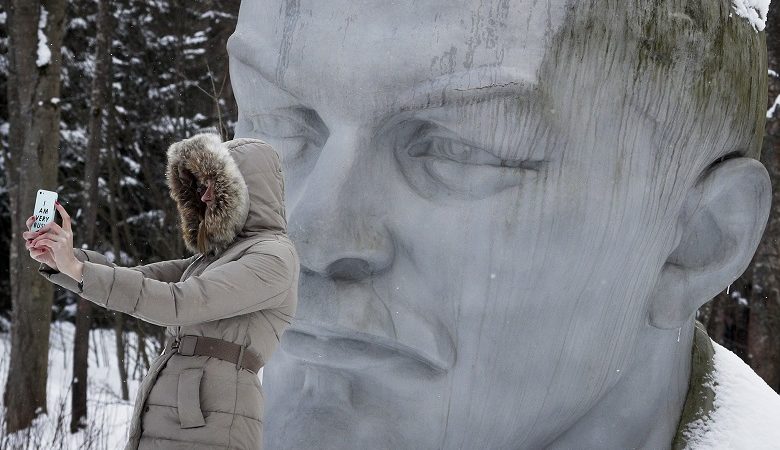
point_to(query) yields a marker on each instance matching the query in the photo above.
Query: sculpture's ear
(719, 228)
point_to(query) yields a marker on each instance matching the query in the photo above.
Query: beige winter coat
(243, 289)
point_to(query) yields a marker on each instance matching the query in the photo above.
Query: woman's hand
(41, 254)
(59, 241)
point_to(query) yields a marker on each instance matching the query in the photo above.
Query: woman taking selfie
(224, 307)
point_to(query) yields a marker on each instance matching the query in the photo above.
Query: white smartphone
(44, 209)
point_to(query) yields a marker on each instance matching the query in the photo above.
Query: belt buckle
(186, 345)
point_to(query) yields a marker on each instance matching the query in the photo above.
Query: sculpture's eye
(291, 131)
(434, 157)
(287, 136)
(463, 153)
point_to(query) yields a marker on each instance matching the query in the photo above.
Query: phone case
(44, 209)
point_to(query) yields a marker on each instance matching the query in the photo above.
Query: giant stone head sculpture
(507, 212)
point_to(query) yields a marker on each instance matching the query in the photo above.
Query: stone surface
(506, 212)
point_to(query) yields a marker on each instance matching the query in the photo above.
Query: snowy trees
(169, 79)
(35, 32)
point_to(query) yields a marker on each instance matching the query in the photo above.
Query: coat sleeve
(170, 270)
(260, 279)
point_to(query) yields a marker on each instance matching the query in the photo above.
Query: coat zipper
(178, 327)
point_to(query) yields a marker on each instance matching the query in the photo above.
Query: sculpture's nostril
(349, 269)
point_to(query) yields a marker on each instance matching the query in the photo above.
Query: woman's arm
(260, 279)
(169, 271)
(58, 240)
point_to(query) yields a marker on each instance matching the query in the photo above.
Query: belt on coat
(242, 357)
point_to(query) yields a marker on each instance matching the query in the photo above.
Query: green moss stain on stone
(700, 400)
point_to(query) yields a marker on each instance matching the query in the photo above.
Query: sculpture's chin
(316, 406)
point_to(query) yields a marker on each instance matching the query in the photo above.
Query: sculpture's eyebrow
(476, 84)
(239, 48)
(461, 89)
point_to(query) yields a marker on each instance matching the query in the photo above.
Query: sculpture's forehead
(379, 50)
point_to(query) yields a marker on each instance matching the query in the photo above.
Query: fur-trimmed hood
(248, 190)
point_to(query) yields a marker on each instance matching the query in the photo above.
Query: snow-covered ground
(108, 415)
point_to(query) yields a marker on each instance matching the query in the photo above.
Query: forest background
(90, 112)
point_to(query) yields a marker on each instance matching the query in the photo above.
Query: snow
(754, 11)
(124, 258)
(736, 295)
(771, 112)
(747, 410)
(133, 165)
(156, 216)
(216, 15)
(108, 415)
(196, 38)
(167, 39)
(194, 51)
(129, 181)
(76, 136)
(77, 22)
(44, 54)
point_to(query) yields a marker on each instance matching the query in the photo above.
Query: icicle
(728, 288)
(679, 331)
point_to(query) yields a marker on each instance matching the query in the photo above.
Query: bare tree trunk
(143, 356)
(119, 325)
(99, 99)
(729, 317)
(34, 119)
(715, 324)
(763, 339)
(119, 318)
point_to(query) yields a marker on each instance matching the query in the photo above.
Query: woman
(224, 308)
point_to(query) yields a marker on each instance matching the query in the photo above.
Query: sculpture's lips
(337, 346)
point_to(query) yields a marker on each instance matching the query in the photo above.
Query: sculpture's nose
(335, 222)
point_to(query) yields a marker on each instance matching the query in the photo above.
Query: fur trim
(203, 157)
